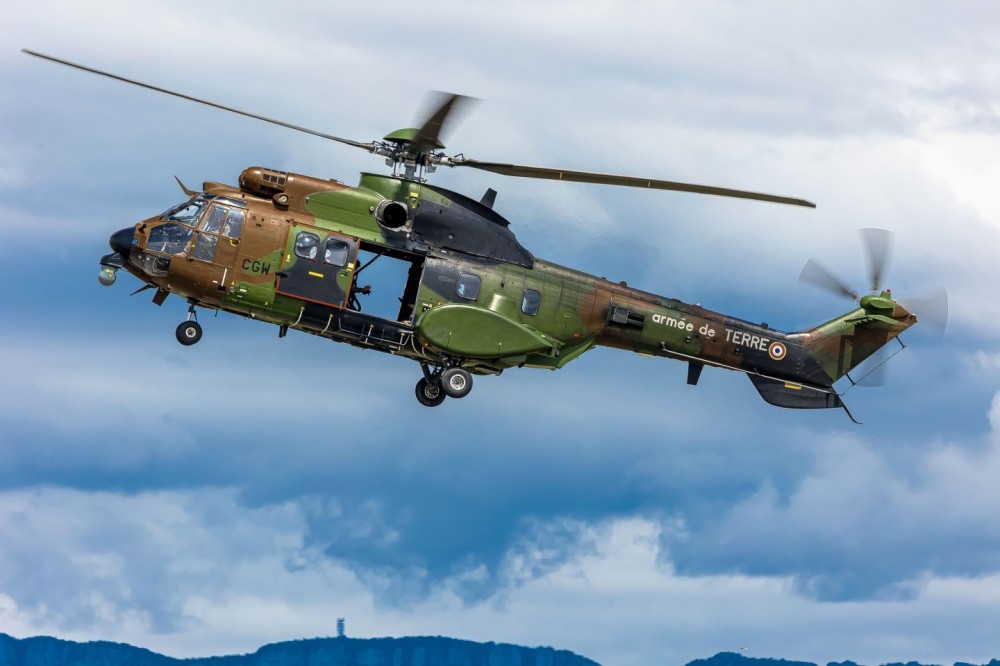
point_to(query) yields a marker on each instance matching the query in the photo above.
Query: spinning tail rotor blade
(816, 273)
(878, 243)
(874, 371)
(931, 310)
(877, 378)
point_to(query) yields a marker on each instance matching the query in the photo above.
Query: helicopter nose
(121, 241)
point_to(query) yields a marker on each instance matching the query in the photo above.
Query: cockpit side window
(212, 222)
(169, 239)
(233, 226)
(224, 221)
(187, 213)
(306, 245)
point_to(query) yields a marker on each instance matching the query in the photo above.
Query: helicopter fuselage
(284, 248)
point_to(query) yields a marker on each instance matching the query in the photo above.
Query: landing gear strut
(436, 385)
(189, 332)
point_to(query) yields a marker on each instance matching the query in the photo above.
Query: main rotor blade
(443, 109)
(625, 181)
(816, 273)
(367, 146)
(878, 243)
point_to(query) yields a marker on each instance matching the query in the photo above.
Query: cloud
(78, 560)
(843, 516)
(130, 413)
(235, 578)
(861, 524)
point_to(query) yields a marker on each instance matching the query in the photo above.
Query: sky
(251, 489)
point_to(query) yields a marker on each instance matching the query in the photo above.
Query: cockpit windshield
(187, 213)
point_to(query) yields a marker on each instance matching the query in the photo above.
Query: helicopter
(286, 249)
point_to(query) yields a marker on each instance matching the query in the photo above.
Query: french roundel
(777, 351)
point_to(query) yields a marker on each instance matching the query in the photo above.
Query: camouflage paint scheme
(447, 237)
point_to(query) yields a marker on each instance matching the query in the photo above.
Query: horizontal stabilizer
(795, 396)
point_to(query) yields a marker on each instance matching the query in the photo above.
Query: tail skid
(799, 396)
(775, 390)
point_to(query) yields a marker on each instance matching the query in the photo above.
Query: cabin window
(168, 239)
(530, 302)
(306, 245)
(336, 253)
(468, 286)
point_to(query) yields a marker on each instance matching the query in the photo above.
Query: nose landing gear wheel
(456, 382)
(188, 333)
(429, 394)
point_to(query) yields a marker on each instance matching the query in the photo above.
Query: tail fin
(840, 345)
(833, 349)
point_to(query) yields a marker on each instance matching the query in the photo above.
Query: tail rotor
(878, 248)
(931, 309)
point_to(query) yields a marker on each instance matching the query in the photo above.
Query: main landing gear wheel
(456, 382)
(429, 393)
(188, 333)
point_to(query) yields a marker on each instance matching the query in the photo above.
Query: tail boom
(794, 370)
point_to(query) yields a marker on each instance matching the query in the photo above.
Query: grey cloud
(131, 556)
(388, 497)
(414, 508)
(858, 524)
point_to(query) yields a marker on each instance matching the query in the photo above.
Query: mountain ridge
(340, 651)
(343, 651)
(734, 659)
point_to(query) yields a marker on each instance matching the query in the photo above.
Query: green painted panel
(467, 330)
(554, 362)
(388, 187)
(347, 211)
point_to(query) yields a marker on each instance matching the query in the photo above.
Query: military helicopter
(284, 248)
